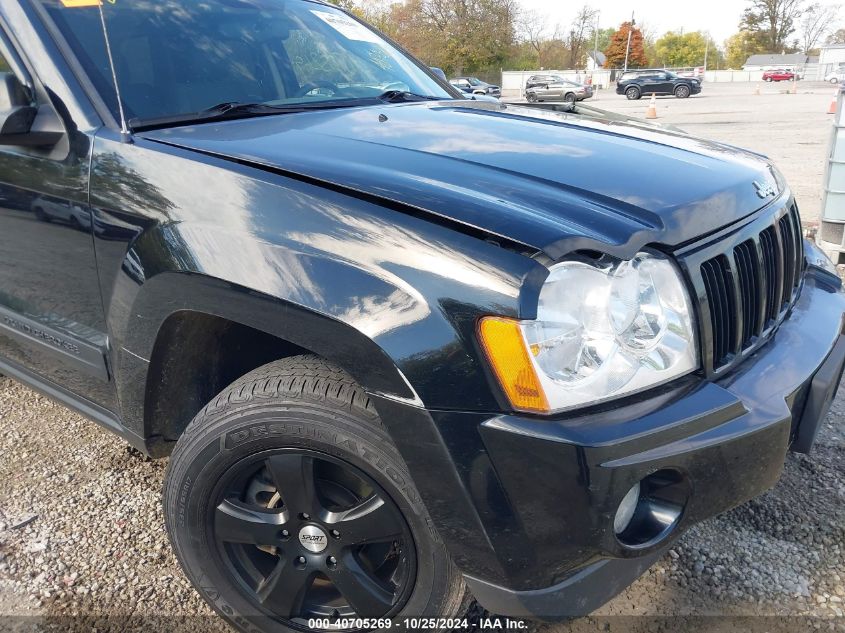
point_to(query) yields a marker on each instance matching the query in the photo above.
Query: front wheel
(570, 97)
(285, 502)
(532, 97)
(834, 81)
(633, 94)
(682, 92)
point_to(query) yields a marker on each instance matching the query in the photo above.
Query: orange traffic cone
(651, 113)
(833, 104)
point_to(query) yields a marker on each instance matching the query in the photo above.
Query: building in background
(832, 56)
(795, 61)
(595, 61)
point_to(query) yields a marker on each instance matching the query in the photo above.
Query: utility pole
(706, 51)
(596, 45)
(630, 34)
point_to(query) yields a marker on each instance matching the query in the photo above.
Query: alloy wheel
(306, 535)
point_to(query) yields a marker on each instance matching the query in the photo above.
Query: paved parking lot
(81, 524)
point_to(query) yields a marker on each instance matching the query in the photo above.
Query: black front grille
(749, 288)
(720, 289)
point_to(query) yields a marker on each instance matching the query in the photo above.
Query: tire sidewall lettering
(246, 420)
(215, 597)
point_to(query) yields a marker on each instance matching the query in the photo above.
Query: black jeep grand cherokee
(389, 362)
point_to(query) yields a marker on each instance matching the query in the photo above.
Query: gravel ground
(81, 534)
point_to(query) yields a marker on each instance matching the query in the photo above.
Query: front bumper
(526, 505)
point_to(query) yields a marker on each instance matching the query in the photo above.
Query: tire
(532, 97)
(40, 215)
(769, 79)
(633, 93)
(834, 81)
(682, 92)
(570, 97)
(304, 421)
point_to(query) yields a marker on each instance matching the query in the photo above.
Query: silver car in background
(558, 89)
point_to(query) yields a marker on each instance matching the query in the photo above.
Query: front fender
(377, 290)
(170, 293)
(392, 298)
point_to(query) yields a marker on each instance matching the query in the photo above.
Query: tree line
(484, 36)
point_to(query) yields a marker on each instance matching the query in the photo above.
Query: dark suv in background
(637, 83)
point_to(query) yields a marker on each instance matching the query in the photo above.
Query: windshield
(474, 81)
(174, 57)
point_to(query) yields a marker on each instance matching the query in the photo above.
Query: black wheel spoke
(237, 523)
(285, 588)
(295, 481)
(366, 594)
(370, 521)
(307, 533)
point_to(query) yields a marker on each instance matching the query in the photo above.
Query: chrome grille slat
(767, 241)
(719, 285)
(787, 239)
(745, 256)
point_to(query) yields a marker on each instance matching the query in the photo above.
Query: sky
(719, 17)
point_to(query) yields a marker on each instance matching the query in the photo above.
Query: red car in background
(780, 75)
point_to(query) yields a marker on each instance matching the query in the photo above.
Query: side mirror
(18, 125)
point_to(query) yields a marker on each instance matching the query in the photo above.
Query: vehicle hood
(551, 181)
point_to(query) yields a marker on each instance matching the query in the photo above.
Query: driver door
(662, 84)
(52, 324)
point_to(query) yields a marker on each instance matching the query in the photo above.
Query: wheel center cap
(313, 539)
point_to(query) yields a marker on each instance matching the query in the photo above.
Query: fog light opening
(627, 509)
(651, 509)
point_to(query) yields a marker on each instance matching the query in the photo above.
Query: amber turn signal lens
(506, 350)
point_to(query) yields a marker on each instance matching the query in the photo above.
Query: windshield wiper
(234, 110)
(240, 110)
(237, 107)
(403, 96)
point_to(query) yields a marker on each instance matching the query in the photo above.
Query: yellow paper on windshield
(75, 4)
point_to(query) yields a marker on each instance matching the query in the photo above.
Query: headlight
(603, 330)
